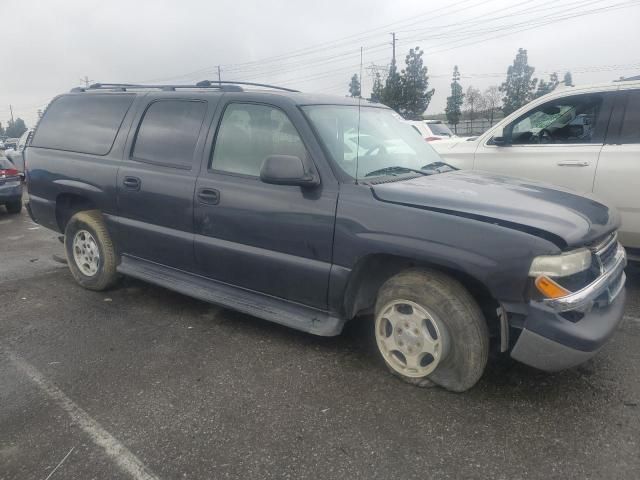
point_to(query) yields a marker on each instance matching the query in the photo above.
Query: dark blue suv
(310, 210)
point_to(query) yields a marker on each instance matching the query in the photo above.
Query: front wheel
(90, 253)
(429, 330)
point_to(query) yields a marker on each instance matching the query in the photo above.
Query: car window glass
(440, 129)
(169, 131)
(249, 133)
(561, 121)
(5, 164)
(84, 123)
(630, 132)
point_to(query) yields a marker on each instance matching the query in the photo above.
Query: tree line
(15, 128)
(407, 91)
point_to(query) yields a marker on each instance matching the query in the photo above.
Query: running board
(269, 308)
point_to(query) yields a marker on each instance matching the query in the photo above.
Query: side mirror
(287, 170)
(498, 138)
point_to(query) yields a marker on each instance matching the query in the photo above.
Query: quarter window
(630, 132)
(168, 133)
(83, 123)
(563, 121)
(248, 134)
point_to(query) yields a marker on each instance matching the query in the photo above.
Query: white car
(584, 138)
(432, 130)
(16, 155)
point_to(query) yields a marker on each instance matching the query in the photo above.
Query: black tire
(106, 275)
(14, 207)
(467, 333)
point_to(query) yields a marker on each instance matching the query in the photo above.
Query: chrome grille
(605, 251)
(605, 254)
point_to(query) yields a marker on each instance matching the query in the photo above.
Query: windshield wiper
(439, 167)
(395, 170)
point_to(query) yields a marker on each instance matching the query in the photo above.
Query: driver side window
(568, 120)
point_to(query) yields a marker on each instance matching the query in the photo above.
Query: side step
(246, 301)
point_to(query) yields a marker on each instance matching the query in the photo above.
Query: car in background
(10, 186)
(585, 138)
(10, 143)
(432, 130)
(16, 156)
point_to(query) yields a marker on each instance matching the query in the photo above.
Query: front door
(556, 142)
(273, 239)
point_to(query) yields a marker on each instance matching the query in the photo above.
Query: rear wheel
(429, 330)
(15, 206)
(90, 253)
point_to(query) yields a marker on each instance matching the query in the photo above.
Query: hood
(560, 215)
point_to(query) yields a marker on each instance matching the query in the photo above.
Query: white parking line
(632, 319)
(126, 460)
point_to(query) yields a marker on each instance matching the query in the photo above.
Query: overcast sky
(50, 45)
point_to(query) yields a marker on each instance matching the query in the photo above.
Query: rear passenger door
(619, 166)
(157, 179)
(273, 239)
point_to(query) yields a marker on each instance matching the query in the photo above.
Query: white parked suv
(584, 138)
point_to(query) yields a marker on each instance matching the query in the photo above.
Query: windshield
(440, 129)
(386, 145)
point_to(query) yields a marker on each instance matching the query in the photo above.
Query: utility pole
(11, 110)
(219, 77)
(393, 35)
(86, 81)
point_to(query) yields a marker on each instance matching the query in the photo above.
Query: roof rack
(224, 85)
(216, 83)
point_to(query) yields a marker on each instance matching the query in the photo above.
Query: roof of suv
(212, 88)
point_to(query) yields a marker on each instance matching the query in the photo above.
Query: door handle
(131, 183)
(573, 163)
(210, 196)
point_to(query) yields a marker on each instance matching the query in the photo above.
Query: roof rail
(214, 83)
(224, 85)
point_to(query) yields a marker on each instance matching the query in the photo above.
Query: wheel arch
(373, 270)
(68, 204)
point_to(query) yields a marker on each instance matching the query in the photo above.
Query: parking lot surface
(140, 382)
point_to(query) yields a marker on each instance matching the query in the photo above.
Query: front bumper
(565, 332)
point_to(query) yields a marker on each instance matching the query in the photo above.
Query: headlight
(555, 276)
(562, 265)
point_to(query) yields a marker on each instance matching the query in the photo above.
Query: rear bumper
(10, 193)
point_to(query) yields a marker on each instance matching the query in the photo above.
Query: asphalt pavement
(143, 383)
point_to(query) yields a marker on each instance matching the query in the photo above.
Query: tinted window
(85, 123)
(169, 131)
(630, 132)
(250, 133)
(561, 121)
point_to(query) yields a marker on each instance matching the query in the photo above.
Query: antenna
(359, 107)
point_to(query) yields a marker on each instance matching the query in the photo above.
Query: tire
(433, 320)
(14, 207)
(93, 265)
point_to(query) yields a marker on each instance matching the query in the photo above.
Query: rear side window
(630, 132)
(84, 123)
(168, 133)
